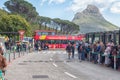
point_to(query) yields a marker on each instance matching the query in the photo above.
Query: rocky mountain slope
(91, 20)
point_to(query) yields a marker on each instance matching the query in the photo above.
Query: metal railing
(13, 54)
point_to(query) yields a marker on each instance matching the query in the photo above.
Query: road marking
(70, 75)
(43, 52)
(52, 55)
(48, 52)
(76, 52)
(51, 59)
(65, 62)
(55, 65)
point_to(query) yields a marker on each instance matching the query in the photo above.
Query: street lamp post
(104, 35)
(119, 36)
(93, 37)
(88, 37)
(114, 36)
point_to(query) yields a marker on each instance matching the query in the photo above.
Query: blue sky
(66, 9)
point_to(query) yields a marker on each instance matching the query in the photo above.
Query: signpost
(21, 33)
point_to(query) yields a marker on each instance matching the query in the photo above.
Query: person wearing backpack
(81, 49)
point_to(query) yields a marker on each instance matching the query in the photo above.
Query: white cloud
(56, 1)
(79, 5)
(52, 1)
(115, 8)
(42, 2)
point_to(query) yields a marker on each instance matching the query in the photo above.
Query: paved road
(54, 65)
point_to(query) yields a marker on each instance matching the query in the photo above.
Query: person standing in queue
(73, 50)
(79, 52)
(69, 50)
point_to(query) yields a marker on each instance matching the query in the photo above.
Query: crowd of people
(41, 46)
(107, 54)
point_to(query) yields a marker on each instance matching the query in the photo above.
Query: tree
(22, 8)
(43, 21)
(13, 23)
(66, 27)
(19, 23)
(58, 24)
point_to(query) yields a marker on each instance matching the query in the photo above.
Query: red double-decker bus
(50, 39)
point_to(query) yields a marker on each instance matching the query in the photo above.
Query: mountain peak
(92, 10)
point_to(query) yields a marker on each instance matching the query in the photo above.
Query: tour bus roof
(44, 31)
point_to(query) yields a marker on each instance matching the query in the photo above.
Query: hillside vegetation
(91, 20)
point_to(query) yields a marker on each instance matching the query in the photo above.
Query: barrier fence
(13, 54)
(116, 59)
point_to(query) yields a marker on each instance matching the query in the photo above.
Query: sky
(66, 9)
